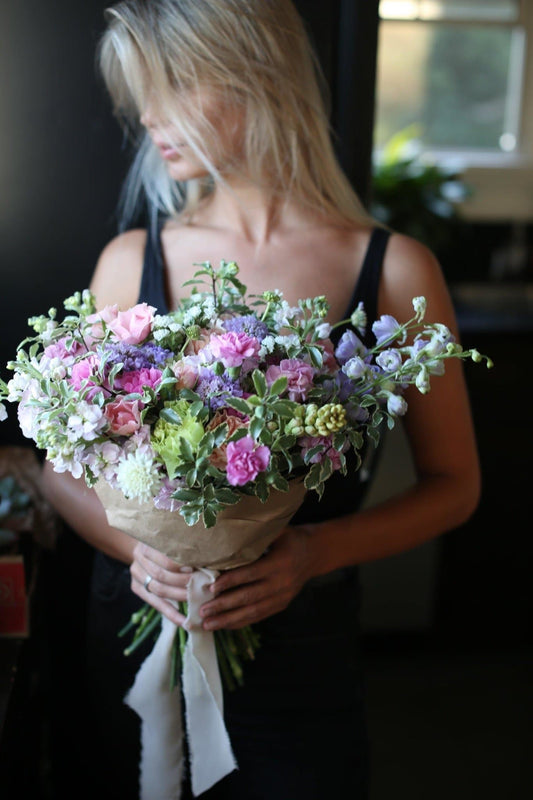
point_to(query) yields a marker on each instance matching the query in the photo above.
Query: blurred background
(432, 113)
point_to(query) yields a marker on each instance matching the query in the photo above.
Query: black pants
(297, 726)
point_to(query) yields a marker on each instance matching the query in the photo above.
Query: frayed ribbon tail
(209, 745)
(211, 756)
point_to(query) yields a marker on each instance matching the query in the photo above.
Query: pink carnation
(85, 370)
(245, 461)
(135, 381)
(60, 350)
(124, 416)
(298, 373)
(134, 325)
(233, 348)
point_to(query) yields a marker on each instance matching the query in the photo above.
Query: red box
(13, 598)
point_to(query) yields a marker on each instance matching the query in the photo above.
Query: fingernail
(209, 625)
(212, 588)
(186, 569)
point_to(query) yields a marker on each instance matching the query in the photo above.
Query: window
(454, 70)
(461, 73)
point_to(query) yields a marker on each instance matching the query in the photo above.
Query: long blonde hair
(256, 54)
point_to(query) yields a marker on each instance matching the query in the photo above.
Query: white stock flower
(284, 314)
(267, 346)
(323, 330)
(137, 478)
(3, 412)
(86, 422)
(419, 305)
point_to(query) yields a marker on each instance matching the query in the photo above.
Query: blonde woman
(235, 162)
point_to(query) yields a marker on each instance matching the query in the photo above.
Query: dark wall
(60, 160)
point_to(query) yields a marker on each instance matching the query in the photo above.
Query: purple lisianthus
(215, 389)
(245, 461)
(349, 346)
(136, 358)
(248, 324)
(385, 328)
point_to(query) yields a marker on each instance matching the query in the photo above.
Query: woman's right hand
(168, 581)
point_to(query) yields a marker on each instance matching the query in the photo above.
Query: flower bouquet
(202, 429)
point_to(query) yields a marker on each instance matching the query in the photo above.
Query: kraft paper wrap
(241, 534)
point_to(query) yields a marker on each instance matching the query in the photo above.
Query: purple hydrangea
(248, 324)
(215, 389)
(136, 357)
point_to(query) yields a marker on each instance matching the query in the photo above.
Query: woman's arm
(441, 437)
(116, 279)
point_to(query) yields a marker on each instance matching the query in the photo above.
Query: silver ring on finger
(146, 583)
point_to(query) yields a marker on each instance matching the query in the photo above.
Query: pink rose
(124, 416)
(135, 380)
(186, 372)
(233, 348)
(107, 315)
(298, 373)
(195, 345)
(134, 325)
(245, 461)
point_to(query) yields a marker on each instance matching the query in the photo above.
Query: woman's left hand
(245, 595)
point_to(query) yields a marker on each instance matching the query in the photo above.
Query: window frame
(501, 182)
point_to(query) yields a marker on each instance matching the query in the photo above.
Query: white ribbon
(211, 756)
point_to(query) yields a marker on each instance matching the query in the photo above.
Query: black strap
(367, 286)
(152, 289)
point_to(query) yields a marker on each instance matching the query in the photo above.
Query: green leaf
(339, 440)
(209, 516)
(285, 442)
(226, 496)
(260, 383)
(190, 513)
(283, 408)
(240, 433)
(279, 386)
(280, 483)
(239, 405)
(262, 491)
(312, 479)
(191, 477)
(169, 415)
(316, 356)
(195, 408)
(256, 428)
(326, 470)
(186, 451)
(219, 434)
(314, 451)
(186, 495)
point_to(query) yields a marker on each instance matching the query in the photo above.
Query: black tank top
(342, 494)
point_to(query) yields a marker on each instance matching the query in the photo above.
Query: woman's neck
(250, 213)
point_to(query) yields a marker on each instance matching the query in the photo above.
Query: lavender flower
(215, 389)
(248, 324)
(136, 358)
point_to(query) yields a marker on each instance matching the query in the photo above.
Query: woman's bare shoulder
(117, 277)
(410, 269)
